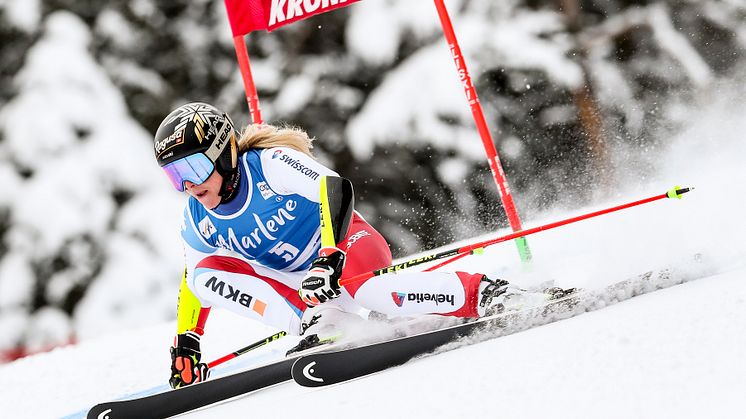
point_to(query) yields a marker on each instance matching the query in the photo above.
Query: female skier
(255, 244)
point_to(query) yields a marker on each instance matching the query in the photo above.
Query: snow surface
(677, 352)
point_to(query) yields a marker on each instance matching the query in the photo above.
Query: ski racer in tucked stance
(255, 244)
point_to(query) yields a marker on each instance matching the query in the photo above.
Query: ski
(175, 402)
(338, 365)
(325, 368)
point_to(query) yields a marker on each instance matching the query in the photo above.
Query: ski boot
(498, 296)
(321, 326)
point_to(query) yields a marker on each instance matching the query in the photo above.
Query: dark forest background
(561, 144)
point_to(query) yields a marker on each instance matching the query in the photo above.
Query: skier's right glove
(321, 283)
(185, 366)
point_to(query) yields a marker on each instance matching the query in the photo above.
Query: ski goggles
(195, 168)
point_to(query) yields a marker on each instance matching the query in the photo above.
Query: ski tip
(99, 411)
(677, 191)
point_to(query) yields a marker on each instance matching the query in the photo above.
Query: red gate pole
(489, 147)
(252, 97)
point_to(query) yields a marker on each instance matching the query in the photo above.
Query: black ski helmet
(199, 128)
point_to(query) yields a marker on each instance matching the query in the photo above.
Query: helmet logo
(199, 113)
(199, 127)
(221, 139)
(172, 140)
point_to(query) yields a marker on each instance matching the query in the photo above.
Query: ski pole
(239, 352)
(460, 252)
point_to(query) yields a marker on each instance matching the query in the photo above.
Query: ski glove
(185, 366)
(321, 283)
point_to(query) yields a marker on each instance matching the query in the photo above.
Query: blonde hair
(268, 136)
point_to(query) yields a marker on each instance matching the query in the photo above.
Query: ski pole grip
(677, 191)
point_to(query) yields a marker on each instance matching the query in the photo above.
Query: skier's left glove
(185, 366)
(321, 283)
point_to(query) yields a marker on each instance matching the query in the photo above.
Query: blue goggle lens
(195, 168)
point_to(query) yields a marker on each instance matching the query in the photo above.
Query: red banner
(251, 15)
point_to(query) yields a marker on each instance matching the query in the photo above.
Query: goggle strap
(217, 146)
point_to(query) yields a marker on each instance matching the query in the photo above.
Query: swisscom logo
(276, 154)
